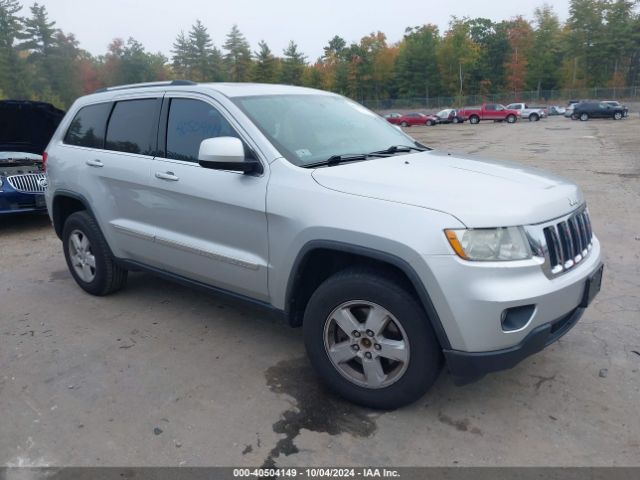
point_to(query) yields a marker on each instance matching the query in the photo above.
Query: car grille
(28, 182)
(568, 242)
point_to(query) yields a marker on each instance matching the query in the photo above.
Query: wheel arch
(65, 203)
(327, 257)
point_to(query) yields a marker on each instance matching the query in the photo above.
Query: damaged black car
(25, 130)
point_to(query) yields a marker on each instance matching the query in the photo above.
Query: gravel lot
(162, 375)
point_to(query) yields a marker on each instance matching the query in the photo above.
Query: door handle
(94, 163)
(167, 176)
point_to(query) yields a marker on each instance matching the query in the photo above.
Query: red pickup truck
(488, 111)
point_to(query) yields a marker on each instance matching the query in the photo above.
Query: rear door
(123, 167)
(107, 152)
(210, 225)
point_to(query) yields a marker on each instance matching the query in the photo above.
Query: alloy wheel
(366, 344)
(81, 255)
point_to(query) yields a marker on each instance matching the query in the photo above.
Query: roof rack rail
(168, 83)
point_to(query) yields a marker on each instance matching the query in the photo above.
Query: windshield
(444, 113)
(308, 129)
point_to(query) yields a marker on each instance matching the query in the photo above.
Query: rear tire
(534, 117)
(474, 119)
(88, 256)
(367, 375)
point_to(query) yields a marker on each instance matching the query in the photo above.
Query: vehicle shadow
(21, 222)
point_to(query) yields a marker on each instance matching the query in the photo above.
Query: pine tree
(180, 59)
(238, 56)
(204, 59)
(266, 67)
(39, 32)
(13, 78)
(292, 65)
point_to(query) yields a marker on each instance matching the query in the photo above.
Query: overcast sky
(311, 23)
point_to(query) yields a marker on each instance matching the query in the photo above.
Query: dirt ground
(162, 375)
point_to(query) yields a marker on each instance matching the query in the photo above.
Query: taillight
(44, 161)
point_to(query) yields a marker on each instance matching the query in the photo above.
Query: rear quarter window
(88, 127)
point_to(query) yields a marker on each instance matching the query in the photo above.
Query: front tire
(369, 340)
(88, 256)
(617, 116)
(456, 120)
(584, 117)
(404, 124)
(511, 119)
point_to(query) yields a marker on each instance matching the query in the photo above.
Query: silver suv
(393, 257)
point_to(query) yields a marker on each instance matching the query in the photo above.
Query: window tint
(88, 126)
(490, 107)
(132, 126)
(190, 122)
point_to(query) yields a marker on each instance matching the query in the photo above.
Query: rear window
(132, 127)
(88, 126)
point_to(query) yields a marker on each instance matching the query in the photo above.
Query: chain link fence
(543, 97)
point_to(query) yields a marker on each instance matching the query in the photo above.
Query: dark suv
(586, 110)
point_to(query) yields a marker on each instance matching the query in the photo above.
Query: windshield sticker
(303, 152)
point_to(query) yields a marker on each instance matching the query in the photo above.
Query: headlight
(490, 244)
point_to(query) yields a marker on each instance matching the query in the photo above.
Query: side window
(190, 122)
(490, 107)
(132, 127)
(88, 126)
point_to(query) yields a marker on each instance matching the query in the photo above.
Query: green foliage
(598, 45)
(292, 65)
(266, 67)
(238, 56)
(416, 69)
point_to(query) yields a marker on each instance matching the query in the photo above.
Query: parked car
(615, 103)
(388, 116)
(413, 118)
(525, 111)
(586, 110)
(390, 255)
(25, 130)
(448, 115)
(556, 110)
(488, 111)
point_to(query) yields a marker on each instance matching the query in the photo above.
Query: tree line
(598, 45)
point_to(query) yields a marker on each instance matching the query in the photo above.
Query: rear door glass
(132, 127)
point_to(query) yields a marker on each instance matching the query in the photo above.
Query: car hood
(27, 126)
(478, 192)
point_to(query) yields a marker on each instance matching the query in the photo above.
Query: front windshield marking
(308, 129)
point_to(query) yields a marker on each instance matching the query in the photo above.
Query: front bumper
(13, 202)
(466, 367)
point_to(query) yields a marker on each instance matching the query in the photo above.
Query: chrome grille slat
(27, 182)
(568, 242)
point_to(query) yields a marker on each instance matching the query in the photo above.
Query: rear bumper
(467, 367)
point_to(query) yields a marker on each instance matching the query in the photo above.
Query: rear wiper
(399, 149)
(345, 157)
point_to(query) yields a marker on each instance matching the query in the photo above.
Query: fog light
(515, 318)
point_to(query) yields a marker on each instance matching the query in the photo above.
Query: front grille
(568, 242)
(28, 182)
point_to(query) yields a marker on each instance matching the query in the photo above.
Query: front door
(210, 225)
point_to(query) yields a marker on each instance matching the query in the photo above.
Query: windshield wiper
(345, 157)
(400, 149)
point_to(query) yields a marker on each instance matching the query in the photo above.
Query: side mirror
(225, 153)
